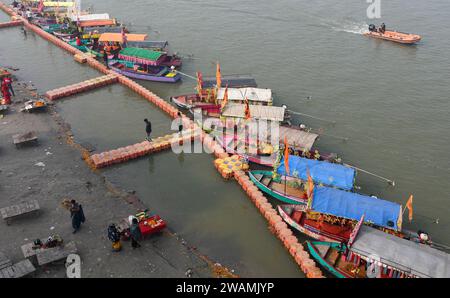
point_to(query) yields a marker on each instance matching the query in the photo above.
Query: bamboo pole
(391, 182)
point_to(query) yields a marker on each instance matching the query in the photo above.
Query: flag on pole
(310, 190)
(225, 98)
(199, 83)
(124, 37)
(41, 6)
(247, 110)
(286, 156)
(409, 205)
(218, 76)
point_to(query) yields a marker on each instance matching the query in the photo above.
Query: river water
(390, 100)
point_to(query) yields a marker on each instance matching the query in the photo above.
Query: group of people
(135, 235)
(148, 126)
(7, 90)
(381, 29)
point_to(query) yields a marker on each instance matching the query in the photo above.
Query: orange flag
(410, 208)
(310, 185)
(199, 84)
(218, 76)
(286, 156)
(225, 98)
(247, 110)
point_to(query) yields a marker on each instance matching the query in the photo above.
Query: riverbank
(54, 170)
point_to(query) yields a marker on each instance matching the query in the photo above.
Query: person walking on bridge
(148, 129)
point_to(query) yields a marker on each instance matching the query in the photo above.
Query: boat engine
(372, 28)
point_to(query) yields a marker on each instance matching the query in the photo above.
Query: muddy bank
(54, 170)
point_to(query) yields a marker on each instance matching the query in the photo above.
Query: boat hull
(275, 194)
(307, 230)
(398, 37)
(311, 245)
(146, 77)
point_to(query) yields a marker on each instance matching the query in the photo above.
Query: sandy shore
(54, 170)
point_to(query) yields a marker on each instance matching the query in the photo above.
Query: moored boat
(161, 74)
(280, 188)
(149, 57)
(375, 254)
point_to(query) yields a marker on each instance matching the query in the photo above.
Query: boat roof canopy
(408, 256)
(252, 94)
(101, 30)
(141, 53)
(323, 172)
(92, 23)
(351, 205)
(117, 37)
(57, 4)
(148, 44)
(90, 17)
(232, 81)
(298, 139)
(269, 113)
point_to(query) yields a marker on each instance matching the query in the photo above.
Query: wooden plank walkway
(15, 211)
(81, 87)
(124, 154)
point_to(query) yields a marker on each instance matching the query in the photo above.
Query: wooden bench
(50, 255)
(9, 213)
(26, 138)
(20, 269)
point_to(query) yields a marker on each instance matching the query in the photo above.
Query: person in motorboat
(382, 28)
(372, 28)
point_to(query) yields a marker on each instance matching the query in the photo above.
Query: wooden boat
(375, 254)
(400, 37)
(149, 57)
(278, 189)
(67, 35)
(255, 96)
(161, 74)
(84, 45)
(232, 81)
(297, 217)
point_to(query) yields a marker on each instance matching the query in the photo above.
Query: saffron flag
(225, 99)
(410, 207)
(199, 84)
(310, 185)
(218, 76)
(286, 156)
(247, 110)
(41, 6)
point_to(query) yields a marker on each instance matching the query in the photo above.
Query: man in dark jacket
(77, 215)
(135, 233)
(148, 129)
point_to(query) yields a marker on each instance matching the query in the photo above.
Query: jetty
(276, 224)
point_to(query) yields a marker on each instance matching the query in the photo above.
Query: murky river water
(391, 101)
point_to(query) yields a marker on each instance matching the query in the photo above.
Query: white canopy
(256, 112)
(91, 17)
(252, 94)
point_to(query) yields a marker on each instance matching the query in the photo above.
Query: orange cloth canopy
(94, 23)
(117, 37)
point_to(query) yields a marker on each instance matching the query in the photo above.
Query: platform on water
(81, 87)
(124, 154)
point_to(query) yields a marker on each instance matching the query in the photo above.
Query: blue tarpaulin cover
(352, 206)
(327, 173)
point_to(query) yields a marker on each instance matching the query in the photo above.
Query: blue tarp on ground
(352, 206)
(327, 173)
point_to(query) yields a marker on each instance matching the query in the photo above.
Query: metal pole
(391, 182)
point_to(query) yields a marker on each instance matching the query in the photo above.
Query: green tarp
(141, 53)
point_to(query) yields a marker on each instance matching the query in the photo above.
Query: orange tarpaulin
(94, 23)
(117, 37)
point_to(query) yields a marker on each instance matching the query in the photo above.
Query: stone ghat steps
(11, 24)
(124, 154)
(81, 87)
